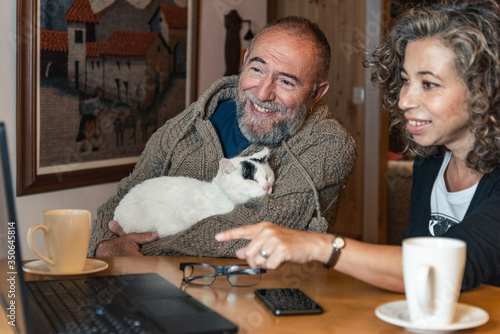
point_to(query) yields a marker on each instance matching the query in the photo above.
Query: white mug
(433, 270)
(66, 239)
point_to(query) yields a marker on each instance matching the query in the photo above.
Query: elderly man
(274, 102)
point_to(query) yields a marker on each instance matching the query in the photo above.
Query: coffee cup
(66, 239)
(433, 269)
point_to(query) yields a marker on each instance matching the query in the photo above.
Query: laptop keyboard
(90, 305)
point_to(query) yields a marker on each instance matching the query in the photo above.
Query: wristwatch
(338, 243)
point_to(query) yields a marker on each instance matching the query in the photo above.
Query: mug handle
(424, 289)
(32, 246)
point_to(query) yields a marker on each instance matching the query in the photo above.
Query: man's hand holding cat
(125, 244)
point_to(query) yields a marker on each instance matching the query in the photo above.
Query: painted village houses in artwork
(130, 67)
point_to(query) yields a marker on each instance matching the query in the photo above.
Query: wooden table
(349, 305)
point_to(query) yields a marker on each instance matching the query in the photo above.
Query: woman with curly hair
(439, 66)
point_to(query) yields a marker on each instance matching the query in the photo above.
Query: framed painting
(95, 78)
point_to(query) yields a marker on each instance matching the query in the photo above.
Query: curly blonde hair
(472, 30)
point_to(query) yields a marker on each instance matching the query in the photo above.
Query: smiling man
(274, 102)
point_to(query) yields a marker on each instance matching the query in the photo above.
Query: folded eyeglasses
(239, 275)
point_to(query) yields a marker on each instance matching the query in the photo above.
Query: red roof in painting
(95, 49)
(129, 43)
(81, 11)
(175, 16)
(51, 40)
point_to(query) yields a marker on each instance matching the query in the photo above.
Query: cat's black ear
(226, 166)
(261, 156)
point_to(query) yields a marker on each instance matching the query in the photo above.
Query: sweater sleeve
(328, 159)
(480, 229)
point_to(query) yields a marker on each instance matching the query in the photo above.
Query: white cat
(169, 204)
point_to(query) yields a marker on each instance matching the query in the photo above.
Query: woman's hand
(271, 245)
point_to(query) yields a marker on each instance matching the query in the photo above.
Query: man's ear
(245, 56)
(320, 91)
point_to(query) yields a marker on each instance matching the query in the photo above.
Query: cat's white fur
(172, 204)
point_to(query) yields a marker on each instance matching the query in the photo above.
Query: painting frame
(29, 180)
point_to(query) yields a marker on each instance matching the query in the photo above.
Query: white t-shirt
(447, 208)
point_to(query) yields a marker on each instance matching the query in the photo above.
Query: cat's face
(248, 177)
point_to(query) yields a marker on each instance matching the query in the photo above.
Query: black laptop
(138, 303)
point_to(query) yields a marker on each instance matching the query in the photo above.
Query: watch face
(339, 242)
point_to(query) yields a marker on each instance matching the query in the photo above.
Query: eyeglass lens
(198, 274)
(243, 276)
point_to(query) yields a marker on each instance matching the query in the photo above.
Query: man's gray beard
(280, 131)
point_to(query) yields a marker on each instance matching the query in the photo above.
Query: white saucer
(397, 313)
(41, 268)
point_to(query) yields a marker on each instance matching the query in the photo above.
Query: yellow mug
(66, 239)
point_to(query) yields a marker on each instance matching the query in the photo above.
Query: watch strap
(335, 255)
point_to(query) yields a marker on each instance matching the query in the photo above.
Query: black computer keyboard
(89, 305)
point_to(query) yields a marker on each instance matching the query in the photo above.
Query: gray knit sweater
(311, 168)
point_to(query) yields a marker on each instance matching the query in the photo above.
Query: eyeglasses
(205, 274)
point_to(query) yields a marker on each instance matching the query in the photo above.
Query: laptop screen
(11, 288)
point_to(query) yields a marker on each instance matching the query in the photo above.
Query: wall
(211, 63)
(372, 181)
(212, 36)
(30, 208)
